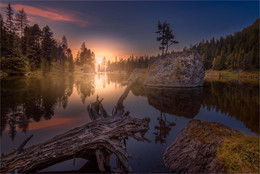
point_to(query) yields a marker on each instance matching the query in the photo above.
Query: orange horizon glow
(104, 46)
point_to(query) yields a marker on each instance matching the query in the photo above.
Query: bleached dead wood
(103, 136)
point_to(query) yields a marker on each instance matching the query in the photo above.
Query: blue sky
(123, 28)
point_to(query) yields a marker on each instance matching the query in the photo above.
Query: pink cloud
(51, 14)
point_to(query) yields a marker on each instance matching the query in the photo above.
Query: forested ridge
(28, 48)
(237, 51)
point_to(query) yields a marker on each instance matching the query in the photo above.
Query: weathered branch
(119, 108)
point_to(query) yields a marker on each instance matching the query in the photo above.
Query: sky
(123, 28)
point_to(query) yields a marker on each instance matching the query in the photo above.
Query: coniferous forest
(237, 51)
(28, 48)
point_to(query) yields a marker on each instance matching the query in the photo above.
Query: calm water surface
(48, 106)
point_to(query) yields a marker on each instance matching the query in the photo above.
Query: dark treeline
(237, 51)
(129, 64)
(86, 58)
(27, 48)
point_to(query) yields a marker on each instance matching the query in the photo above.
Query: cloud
(52, 14)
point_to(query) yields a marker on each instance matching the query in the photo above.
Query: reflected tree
(85, 87)
(29, 99)
(236, 99)
(163, 130)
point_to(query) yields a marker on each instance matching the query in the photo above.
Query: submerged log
(102, 137)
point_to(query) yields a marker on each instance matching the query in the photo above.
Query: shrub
(13, 65)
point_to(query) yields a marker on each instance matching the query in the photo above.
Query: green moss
(208, 133)
(240, 154)
(237, 152)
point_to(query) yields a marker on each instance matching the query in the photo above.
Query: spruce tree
(21, 21)
(9, 18)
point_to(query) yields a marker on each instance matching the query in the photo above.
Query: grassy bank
(227, 73)
(240, 154)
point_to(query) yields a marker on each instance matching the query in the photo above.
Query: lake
(51, 105)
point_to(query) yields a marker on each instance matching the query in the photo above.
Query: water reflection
(28, 99)
(85, 87)
(184, 102)
(233, 98)
(163, 130)
(23, 99)
(236, 99)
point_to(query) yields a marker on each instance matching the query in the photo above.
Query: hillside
(237, 51)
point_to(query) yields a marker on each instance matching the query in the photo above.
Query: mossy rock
(212, 148)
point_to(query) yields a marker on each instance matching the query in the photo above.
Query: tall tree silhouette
(9, 18)
(21, 21)
(166, 37)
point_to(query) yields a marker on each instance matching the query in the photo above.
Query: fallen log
(102, 137)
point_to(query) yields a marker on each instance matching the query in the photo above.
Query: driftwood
(103, 136)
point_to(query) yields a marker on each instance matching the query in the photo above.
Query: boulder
(179, 69)
(210, 147)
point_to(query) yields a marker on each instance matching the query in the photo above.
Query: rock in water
(194, 151)
(179, 69)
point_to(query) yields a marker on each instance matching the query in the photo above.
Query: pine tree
(70, 60)
(21, 21)
(83, 54)
(104, 62)
(32, 39)
(64, 43)
(9, 18)
(48, 48)
(165, 36)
